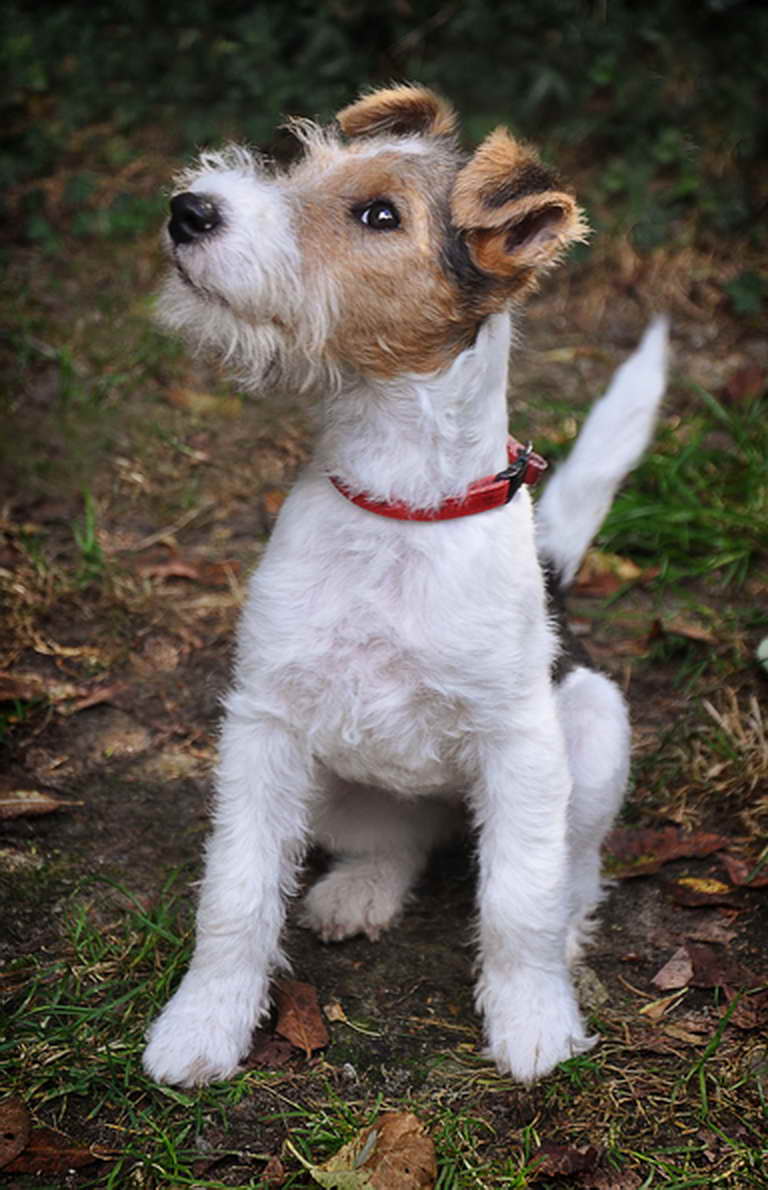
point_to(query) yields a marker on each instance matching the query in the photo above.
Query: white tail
(614, 436)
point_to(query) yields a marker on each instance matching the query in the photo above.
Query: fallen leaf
(14, 1129)
(219, 574)
(633, 851)
(699, 890)
(175, 567)
(746, 383)
(334, 1012)
(298, 1016)
(554, 1160)
(209, 574)
(751, 1011)
(272, 501)
(676, 972)
(269, 1052)
(712, 930)
(15, 803)
(273, 1173)
(603, 574)
(654, 1010)
(49, 1151)
(746, 873)
(611, 1180)
(689, 629)
(715, 968)
(395, 1153)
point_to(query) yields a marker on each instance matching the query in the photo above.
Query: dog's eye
(379, 215)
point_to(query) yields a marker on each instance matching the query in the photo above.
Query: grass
(73, 1035)
(699, 502)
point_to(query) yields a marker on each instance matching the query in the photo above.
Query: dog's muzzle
(192, 217)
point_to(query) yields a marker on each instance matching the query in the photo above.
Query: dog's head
(380, 252)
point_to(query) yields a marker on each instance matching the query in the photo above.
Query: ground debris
(14, 1129)
(556, 1160)
(695, 891)
(633, 851)
(50, 1151)
(745, 872)
(299, 1018)
(15, 803)
(394, 1153)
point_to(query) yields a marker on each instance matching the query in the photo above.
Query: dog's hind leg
(596, 727)
(380, 845)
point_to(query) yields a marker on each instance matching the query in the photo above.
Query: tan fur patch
(398, 310)
(398, 111)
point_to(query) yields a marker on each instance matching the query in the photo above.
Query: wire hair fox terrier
(397, 656)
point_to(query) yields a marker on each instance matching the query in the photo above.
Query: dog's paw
(352, 899)
(532, 1023)
(201, 1035)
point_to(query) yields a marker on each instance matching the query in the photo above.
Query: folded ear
(516, 219)
(401, 111)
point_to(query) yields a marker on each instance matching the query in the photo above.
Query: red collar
(525, 466)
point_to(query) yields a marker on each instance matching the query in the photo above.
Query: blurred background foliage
(663, 103)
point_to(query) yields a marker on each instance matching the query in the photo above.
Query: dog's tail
(614, 436)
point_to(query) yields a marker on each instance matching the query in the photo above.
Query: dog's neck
(423, 439)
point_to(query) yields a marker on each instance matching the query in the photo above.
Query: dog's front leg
(520, 801)
(263, 788)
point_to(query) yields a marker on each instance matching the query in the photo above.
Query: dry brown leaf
(49, 1151)
(751, 1011)
(269, 1052)
(712, 930)
(272, 501)
(209, 574)
(556, 1160)
(676, 972)
(746, 873)
(299, 1018)
(689, 629)
(715, 968)
(611, 1180)
(395, 1153)
(633, 851)
(603, 574)
(14, 1129)
(273, 1173)
(15, 803)
(746, 383)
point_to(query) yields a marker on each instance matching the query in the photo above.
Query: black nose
(192, 216)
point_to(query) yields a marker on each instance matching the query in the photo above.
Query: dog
(397, 656)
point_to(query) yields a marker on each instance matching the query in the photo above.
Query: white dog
(395, 655)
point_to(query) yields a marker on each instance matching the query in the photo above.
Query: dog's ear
(515, 217)
(399, 111)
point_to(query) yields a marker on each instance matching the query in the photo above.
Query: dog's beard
(259, 354)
